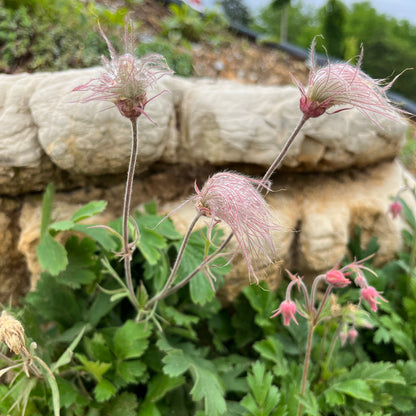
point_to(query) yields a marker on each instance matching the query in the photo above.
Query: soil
(236, 58)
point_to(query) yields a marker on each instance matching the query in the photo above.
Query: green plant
(54, 35)
(187, 25)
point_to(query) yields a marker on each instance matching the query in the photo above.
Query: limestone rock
(225, 122)
(318, 214)
(93, 138)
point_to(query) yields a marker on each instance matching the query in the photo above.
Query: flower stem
(168, 291)
(165, 291)
(285, 149)
(126, 211)
(306, 363)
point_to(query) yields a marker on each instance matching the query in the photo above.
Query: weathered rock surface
(340, 172)
(46, 131)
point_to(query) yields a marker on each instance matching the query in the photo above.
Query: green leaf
(131, 339)
(96, 368)
(124, 404)
(356, 388)
(162, 384)
(89, 210)
(100, 235)
(52, 255)
(69, 394)
(104, 390)
(264, 396)
(62, 226)
(47, 209)
(66, 357)
(176, 363)
(81, 262)
(271, 349)
(207, 384)
(54, 301)
(131, 371)
(150, 244)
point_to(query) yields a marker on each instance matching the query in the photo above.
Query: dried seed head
(12, 333)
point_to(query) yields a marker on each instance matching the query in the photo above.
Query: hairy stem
(211, 257)
(311, 329)
(126, 211)
(276, 163)
(165, 291)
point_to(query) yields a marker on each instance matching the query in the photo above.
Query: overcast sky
(400, 9)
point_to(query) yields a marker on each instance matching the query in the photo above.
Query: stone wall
(339, 173)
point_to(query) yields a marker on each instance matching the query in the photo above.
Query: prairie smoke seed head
(287, 309)
(234, 199)
(370, 295)
(337, 279)
(126, 80)
(341, 84)
(12, 333)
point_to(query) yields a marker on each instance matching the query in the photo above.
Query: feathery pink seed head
(126, 80)
(287, 309)
(370, 295)
(346, 86)
(234, 199)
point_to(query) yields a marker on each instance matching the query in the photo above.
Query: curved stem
(126, 211)
(211, 257)
(164, 292)
(276, 163)
(306, 363)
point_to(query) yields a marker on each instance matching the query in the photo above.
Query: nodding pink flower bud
(395, 208)
(287, 309)
(234, 199)
(126, 79)
(370, 295)
(360, 280)
(337, 279)
(343, 85)
(352, 335)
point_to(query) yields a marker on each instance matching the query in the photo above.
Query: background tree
(333, 28)
(236, 12)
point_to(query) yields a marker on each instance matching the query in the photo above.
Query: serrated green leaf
(131, 339)
(149, 409)
(52, 255)
(358, 389)
(89, 210)
(98, 349)
(56, 302)
(124, 404)
(62, 226)
(162, 384)
(208, 387)
(162, 226)
(96, 368)
(380, 372)
(81, 262)
(131, 371)
(271, 349)
(104, 390)
(175, 363)
(69, 394)
(150, 244)
(207, 384)
(101, 235)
